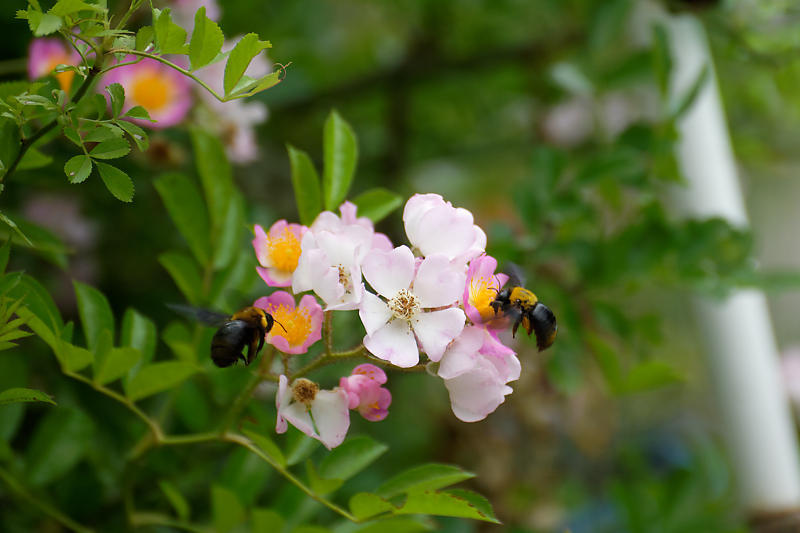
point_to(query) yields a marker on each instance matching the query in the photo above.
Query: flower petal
(331, 416)
(437, 282)
(475, 394)
(374, 312)
(282, 399)
(388, 272)
(395, 343)
(461, 356)
(435, 330)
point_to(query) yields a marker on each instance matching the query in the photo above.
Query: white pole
(743, 357)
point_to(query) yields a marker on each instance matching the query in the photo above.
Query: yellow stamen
(304, 391)
(481, 293)
(284, 250)
(150, 90)
(297, 322)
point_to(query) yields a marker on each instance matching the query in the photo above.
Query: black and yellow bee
(523, 307)
(247, 327)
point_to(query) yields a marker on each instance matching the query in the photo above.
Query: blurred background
(548, 119)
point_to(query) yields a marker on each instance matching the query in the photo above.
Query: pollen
(344, 280)
(284, 250)
(304, 390)
(297, 322)
(150, 90)
(481, 294)
(404, 305)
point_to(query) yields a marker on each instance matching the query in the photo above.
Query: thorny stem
(45, 507)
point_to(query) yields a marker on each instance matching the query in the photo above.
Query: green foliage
(20, 394)
(341, 155)
(206, 40)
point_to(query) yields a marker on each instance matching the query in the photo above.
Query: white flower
(320, 414)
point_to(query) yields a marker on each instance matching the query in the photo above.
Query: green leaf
(116, 364)
(158, 377)
(351, 457)
(117, 94)
(267, 521)
(266, 445)
(5, 253)
(34, 159)
(341, 154)
(136, 133)
(61, 440)
(226, 509)
(376, 204)
(185, 273)
(215, 174)
(170, 38)
(306, 185)
(19, 394)
(44, 23)
(299, 446)
(9, 144)
(462, 504)
(144, 36)
(138, 112)
(74, 357)
(255, 86)
(688, 98)
(177, 336)
(239, 59)
(429, 476)
(139, 332)
(176, 499)
(206, 40)
(319, 484)
(111, 149)
(37, 300)
(228, 237)
(78, 168)
(95, 313)
(364, 504)
(246, 474)
(395, 524)
(63, 8)
(188, 211)
(117, 182)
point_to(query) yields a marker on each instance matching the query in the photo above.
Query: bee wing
(515, 275)
(206, 316)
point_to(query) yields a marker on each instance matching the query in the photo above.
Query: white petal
(475, 394)
(282, 399)
(415, 209)
(395, 343)
(297, 415)
(388, 272)
(462, 355)
(435, 330)
(325, 281)
(445, 230)
(374, 313)
(438, 283)
(331, 416)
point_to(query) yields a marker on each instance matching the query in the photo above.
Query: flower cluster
(422, 303)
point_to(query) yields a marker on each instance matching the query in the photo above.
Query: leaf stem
(48, 509)
(327, 359)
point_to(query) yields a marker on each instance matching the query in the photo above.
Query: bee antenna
(281, 325)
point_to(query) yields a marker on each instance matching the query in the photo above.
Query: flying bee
(524, 308)
(247, 327)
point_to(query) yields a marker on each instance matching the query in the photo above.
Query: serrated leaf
(78, 168)
(170, 38)
(136, 133)
(429, 476)
(267, 446)
(185, 273)
(462, 504)
(44, 23)
(95, 313)
(19, 394)
(364, 504)
(306, 184)
(340, 150)
(63, 8)
(206, 40)
(188, 211)
(158, 377)
(117, 95)
(351, 457)
(111, 149)
(117, 182)
(377, 204)
(239, 59)
(104, 132)
(226, 509)
(116, 364)
(139, 113)
(144, 37)
(176, 499)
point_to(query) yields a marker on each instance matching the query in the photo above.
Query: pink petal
(462, 355)
(382, 399)
(381, 242)
(282, 399)
(445, 230)
(437, 283)
(435, 330)
(415, 209)
(274, 277)
(278, 228)
(331, 416)
(388, 272)
(475, 394)
(374, 312)
(275, 300)
(371, 371)
(395, 343)
(260, 246)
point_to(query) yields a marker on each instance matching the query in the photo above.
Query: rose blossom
(45, 54)
(320, 414)
(481, 288)
(278, 252)
(363, 387)
(296, 328)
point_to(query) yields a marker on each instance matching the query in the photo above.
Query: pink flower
(278, 252)
(163, 92)
(414, 296)
(481, 288)
(332, 252)
(476, 369)
(320, 414)
(45, 54)
(296, 328)
(363, 387)
(434, 226)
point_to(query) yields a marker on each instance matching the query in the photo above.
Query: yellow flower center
(481, 293)
(404, 305)
(64, 78)
(284, 250)
(150, 90)
(297, 322)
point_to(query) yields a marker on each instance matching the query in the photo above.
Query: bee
(525, 308)
(247, 327)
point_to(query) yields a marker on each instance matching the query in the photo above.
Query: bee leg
(251, 352)
(527, 322)
(514, 328)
